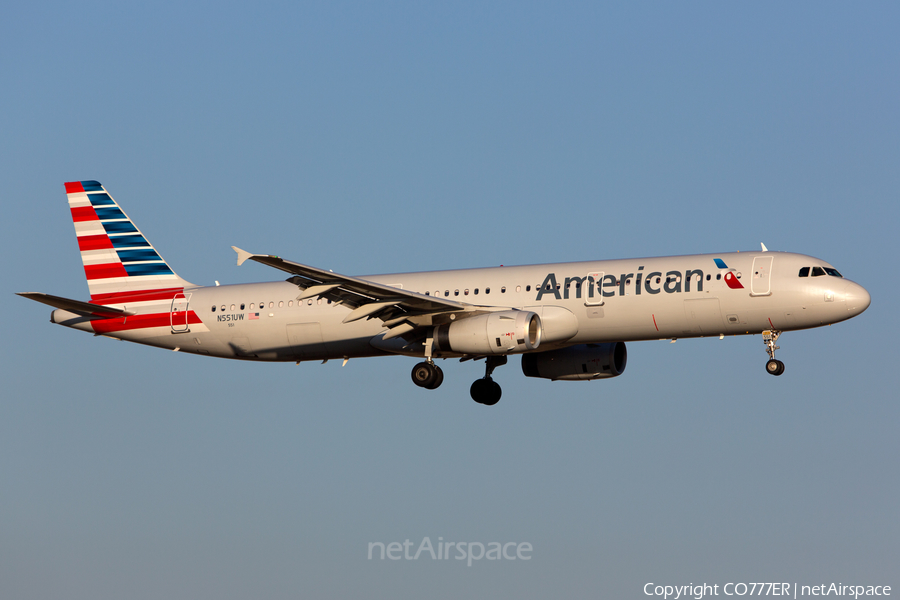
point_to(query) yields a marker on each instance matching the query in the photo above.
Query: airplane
(569, 321)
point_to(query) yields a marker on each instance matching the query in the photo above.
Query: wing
(401, 310)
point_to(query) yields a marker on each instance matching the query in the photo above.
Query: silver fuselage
(579, 302)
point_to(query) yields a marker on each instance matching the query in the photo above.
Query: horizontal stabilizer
(75, 306)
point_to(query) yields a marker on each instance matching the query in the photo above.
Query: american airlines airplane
(569, 321)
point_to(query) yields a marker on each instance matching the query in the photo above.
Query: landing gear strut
(773, 367)
(427, 374)
(487, 391)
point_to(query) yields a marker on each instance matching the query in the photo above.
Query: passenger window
(429, 293)
(487, 290)
(290, 302)
(319, 301)
(281, 304)
(214, 309)
(527, 288)
(476, 291)
(232, 308)
(456, 292)
(804, 272)
(446, 293)
(818, 271)
(242, 307)
(518, 288)
(503, 290)
(223, 308)
(718, 277)
(271, 305)
(708, 277)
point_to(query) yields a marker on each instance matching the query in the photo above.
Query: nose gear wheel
(773, 367)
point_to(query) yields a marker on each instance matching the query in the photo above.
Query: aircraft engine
(577, 363)
(494, 333)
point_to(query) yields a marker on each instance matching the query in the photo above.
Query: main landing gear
(427, 375)
(773, 367)
(487, 391)
(484, 391)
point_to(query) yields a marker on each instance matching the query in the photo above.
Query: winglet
(243, 255)
(764, 249)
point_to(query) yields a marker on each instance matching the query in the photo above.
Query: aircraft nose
(857, 298)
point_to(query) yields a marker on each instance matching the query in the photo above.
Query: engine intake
(502, 332)
(577, 363)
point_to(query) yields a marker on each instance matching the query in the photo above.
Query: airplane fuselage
(579, 302)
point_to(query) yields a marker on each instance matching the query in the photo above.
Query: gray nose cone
(857, 298)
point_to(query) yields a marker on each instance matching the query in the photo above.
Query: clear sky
(388, 137)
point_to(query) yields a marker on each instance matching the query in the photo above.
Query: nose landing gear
(773, 367)
(487, 391)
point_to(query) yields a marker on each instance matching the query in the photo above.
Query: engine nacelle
(577, 363)
(494, 333)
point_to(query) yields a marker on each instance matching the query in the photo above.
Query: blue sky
(371, 138)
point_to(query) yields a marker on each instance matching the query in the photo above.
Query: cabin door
(761, 276)
(178, 315)
(590, 289)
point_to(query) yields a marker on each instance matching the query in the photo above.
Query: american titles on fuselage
(607, 286)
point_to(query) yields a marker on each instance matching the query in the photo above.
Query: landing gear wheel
(438, 380)
(426, 374)
(775, 367)
(486, 391)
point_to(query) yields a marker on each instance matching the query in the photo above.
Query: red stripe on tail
(105, 271)
(84, 213)
(94, 242)
(136, 296)
(142, 322)
(74, 187)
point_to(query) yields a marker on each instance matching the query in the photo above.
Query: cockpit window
(833, 272)
(818, 271)
(804, 272)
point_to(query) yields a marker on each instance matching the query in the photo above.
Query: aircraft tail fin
(118, 259)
